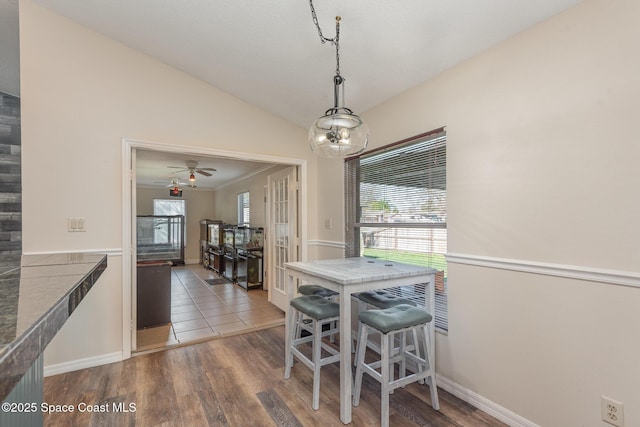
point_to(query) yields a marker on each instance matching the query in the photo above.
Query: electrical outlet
(612, 411)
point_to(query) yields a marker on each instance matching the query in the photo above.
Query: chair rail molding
(109, 252)
(612, 277)
(327, 244)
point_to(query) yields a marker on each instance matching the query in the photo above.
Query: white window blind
(244, 213)
(396, 209)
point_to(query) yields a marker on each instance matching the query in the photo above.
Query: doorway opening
(191, 271)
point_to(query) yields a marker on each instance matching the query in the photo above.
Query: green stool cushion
(382, 299)
(316, 290)
(316, 306)
(394, 318)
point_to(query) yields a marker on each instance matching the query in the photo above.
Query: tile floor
(201, 311)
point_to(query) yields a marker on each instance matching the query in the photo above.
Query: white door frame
(129, 182)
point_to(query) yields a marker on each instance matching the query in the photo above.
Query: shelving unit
(211, 241)
(249, 249)
(229, 255)
(234, 252)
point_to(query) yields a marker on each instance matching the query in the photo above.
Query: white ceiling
(269, 53)
(152, 169)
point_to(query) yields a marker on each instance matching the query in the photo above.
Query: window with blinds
(244, 213)
(396, 209)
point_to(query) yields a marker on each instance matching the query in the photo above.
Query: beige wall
(543, 149)
(226, 198)
(199, 205)
(82, 94)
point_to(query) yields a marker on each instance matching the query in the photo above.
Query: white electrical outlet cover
(612, 411)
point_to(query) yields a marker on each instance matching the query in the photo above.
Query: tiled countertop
(36, 299)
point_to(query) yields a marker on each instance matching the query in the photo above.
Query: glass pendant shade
(340, 133)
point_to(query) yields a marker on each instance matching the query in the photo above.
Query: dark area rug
(220, 281)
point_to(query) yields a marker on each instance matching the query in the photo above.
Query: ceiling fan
(191, 166)
(176, 184)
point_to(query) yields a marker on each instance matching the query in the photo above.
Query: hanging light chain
(334, 41)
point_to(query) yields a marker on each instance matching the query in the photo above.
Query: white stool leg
(403, 350)
(416, 346)
(360, 353)
(385, 348)
(392, 353)
(298, 322)
(433, 388)
(292, 328)
(317, 349)
(355, 358)
(361, 307)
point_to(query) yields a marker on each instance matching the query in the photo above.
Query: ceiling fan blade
(201, 172)
(182, 169)
(208, 169)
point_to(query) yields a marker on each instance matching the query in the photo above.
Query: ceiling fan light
(192, 177)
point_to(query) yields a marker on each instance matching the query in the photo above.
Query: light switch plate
(76, 224)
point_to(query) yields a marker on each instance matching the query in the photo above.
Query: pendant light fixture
(339, 132)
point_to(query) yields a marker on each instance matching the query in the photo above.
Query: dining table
(348, 276)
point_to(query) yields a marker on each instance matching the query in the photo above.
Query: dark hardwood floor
(233, 381)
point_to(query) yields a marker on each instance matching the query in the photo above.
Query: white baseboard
(484, 404)
(89, 362)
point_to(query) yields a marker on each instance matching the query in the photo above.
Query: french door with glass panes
(282, 234)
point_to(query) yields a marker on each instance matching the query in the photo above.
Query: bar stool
(381, 299)
(320, 311)
(323, 292)
(316, 290)
(386, 322)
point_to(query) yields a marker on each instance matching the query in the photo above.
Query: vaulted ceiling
(269, 53)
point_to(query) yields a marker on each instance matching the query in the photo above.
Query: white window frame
(420, 159)
(244, 208)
